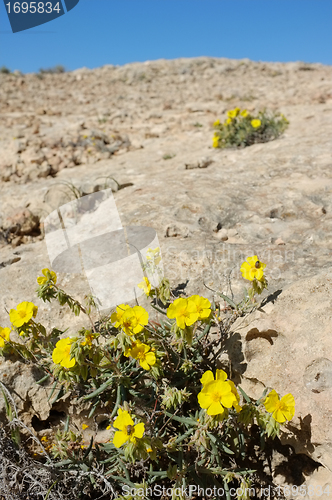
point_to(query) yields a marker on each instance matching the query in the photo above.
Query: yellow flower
(128, 431)
(233, 113)
(236, 405)
(184, 311)
(48, 276)
(244, 113)
(116, 317)
(216, 123)
(256, 123)
(142, 353)
(216, 394)
(145, 285)
(228, 121)
(283, 409)
(253, 269)
(134, 319)
(203, 306)
(84, 426)
(23, 313)
(4, 335)
(153, 254)
(284, 118)
(88, 339)
(61, 353)
(215, 141)
(44, 438)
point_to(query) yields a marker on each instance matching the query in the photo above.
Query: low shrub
(4, 70)
(53, 70)
(242, 128)
(175, 419)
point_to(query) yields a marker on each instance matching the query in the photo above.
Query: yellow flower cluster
(188, 311)
(232, 116)
(233, 113)
(153, 254)
(48, 276)
(218, 394)
(132, 320)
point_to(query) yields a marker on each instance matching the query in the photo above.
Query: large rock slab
(287, 345)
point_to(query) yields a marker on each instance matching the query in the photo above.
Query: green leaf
(40, 381)
(246, 397)
(228, 300)
(57, 396)
(88, 449)
(99, 390)
(52, 391)
(183, 420)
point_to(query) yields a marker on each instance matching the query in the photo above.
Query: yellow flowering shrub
(242, 128)
(151, 374)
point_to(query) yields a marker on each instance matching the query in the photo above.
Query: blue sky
(98, 32)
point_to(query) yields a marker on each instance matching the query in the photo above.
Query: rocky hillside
(145, 130)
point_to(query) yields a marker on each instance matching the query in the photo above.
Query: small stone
(279, 241)
(232, 232)
(21, 222)
(222, 234)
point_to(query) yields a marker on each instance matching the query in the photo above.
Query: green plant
(242, 128)
(175, 419)
(53, 70)
(4, 70)
(168, 156)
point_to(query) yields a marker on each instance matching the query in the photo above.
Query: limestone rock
(21, 221)
(286, 345)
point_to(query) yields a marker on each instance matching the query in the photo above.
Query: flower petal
(207, 377)
(139, 430)
(221, 375)
(123, 420)
(252, 260)
(279, 416)
(151, 358)
(120, 437)
(259, 274)
(215, 409)
(204, 399)
(67, 362)
(271, 401)
(144, 364)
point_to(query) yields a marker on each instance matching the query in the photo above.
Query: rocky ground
(145, 130)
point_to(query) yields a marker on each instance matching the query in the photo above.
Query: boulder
(286, 345)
